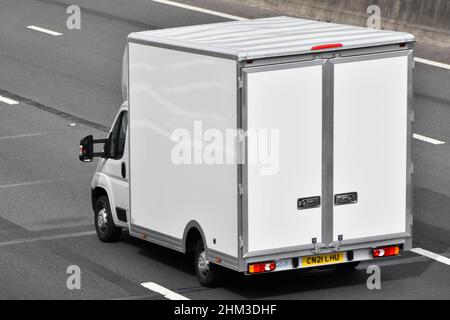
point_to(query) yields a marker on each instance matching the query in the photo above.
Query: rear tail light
(385, 252)
(262, 267)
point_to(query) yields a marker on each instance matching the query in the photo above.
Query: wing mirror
(87, 153)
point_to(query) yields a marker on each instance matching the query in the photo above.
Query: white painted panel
(290, 101)
(271, 37)
(370, 145)
(169, 90)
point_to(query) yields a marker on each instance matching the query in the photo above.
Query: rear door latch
(345, 198)
(308, 203)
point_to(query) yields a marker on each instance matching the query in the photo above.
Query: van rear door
(371, 146)
(283, 111)
(344, 151)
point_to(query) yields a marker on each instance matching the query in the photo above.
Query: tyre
(208, 274)
(104, 223)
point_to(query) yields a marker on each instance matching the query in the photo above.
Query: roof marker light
(327, 46)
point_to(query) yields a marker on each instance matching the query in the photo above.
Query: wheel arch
(192, 231)
(96, 193)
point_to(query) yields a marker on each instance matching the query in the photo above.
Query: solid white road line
(51, 32)
(25, 135)
(163, 291)
(426, 139)
(198, 9)
(432, 63)
(228, 16)
(431, 255)
(29, 183)
(46, 238)
(8, 100)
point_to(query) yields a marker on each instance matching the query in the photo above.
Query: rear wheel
(208, 274)
(104, 224)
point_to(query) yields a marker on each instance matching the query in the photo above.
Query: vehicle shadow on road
(282, 284)
(170, 258)
(314, 281)
(431, 222)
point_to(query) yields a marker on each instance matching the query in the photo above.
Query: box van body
(277, 143)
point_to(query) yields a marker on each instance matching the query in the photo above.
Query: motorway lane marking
(46, 238)
(26, 135)
(29, 183)
(431, 255)
(426, 139)
(59, 113)
(8, 100)
(198, 9)
(163, 291)
(232, 17)
(432, 63)
(48, 31)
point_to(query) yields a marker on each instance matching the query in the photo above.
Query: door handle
(308, 203)
(124, 170)
(345, 198)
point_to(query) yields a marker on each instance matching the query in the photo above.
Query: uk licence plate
(322, 259)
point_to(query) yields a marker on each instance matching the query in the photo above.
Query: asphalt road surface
(46, 221)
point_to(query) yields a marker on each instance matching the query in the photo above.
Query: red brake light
(327, 46)
(385, 252)
(262, 267)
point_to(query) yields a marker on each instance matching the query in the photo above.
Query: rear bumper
(330, 259)
(336, 258)
(350, 252)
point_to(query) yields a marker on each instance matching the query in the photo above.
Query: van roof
(269, 37)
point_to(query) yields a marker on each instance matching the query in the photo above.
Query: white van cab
(110, 195)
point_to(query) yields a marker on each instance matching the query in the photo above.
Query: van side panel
(171, 183)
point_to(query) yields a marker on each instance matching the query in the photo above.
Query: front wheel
(208, 274)
(104, 224)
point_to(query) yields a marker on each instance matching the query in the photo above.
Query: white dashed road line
(163, 291)
(431, 255)
(426, 139)
(47, 31)
(8, 100)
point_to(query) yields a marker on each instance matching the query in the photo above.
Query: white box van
(261, 145)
